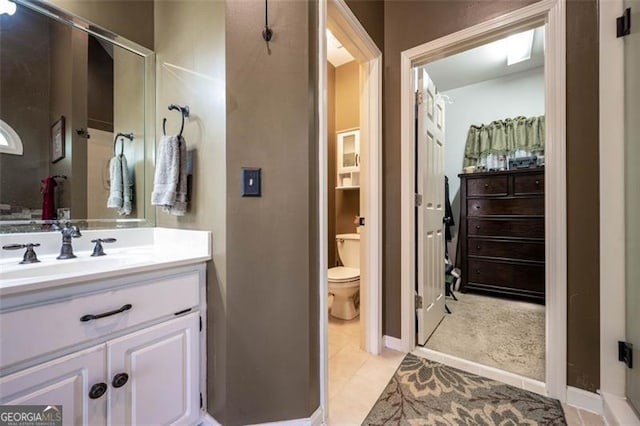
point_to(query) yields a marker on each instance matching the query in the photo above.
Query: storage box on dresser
(137, 363)
(501, 236)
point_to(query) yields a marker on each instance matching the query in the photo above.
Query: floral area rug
(423, 392)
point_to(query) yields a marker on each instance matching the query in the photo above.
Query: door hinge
(200, 323)
(418, 301)
(625, 353)
(418, 97)
(418, 199)
(623, 23)
(200, 399)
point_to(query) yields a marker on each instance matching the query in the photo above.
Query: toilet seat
(343, 275)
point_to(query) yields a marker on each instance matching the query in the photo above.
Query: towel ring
(115, 140)
(184, 112)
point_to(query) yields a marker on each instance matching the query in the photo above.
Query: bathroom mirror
(67, 89)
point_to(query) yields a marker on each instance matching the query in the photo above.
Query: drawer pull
(486, 185)
(477, 247)
(97, 390)
(477, 206)
(90, 317)
(477, 226)
(537, 182)
(119, 380)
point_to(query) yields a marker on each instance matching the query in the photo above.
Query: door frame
(336, 15)
(551, 13)
(616, 408)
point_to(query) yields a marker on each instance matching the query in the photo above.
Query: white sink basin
(55, 267)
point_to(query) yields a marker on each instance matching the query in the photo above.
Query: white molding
(612, 203)
(551, 12)
(393, 343)
(503, 376)
(314, 420)
(617, 411)
(584, 400)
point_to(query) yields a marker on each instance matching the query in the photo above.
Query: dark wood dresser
(502, 233)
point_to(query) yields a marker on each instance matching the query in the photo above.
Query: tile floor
(357, 378)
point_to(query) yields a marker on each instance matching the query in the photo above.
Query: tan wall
(272, 287)
(370, 13)
(405, 27)
(132, 19)
(347, 93)
(191, 71)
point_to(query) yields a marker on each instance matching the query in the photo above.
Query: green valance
(504, 137)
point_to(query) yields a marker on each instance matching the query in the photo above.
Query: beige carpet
(500, 333)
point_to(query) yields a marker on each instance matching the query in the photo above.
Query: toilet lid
(343, 274)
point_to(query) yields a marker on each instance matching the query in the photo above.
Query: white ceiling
(482, 63)
(337, 54)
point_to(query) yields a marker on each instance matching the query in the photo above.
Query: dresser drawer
(57, 325)
(506, 249)
(506, 206)
(522, 228)
(510, 275)
(495, 185)
(528, 184)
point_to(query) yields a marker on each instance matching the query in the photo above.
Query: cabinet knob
(120, 380)
(97, 390)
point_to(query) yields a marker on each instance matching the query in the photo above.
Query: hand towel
(120, 191)
(115, 178)
(47, 188)
(170, 182)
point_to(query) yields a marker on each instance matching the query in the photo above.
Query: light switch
(251, 182)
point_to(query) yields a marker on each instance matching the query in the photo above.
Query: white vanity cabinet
(348, 159)
(124, 351)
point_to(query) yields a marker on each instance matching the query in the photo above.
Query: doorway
(338, 18)
(551, 14)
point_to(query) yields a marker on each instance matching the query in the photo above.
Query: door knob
(120, 380)
(97, 390)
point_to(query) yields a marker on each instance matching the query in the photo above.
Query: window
(10, 142)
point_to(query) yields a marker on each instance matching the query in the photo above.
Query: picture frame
(58, 140)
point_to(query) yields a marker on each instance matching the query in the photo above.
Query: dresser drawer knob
(486, 186)
(477, 226)
(477, 206)
(477, 271)
(537, 182)
(477, 247)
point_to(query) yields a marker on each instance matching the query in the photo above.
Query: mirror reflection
(72, 124)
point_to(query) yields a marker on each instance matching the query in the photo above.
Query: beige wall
(191, 71)
(272, 270)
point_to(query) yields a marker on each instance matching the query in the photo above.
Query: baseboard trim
(393, 343)
(207, 420)
(483, 370)
(584, 400)
(618, 411)
(314, 420)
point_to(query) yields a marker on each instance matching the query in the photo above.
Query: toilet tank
(349, 249)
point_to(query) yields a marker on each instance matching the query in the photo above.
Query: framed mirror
(76, 123)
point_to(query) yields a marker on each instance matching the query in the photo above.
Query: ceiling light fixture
(7, 7)
(519, 47)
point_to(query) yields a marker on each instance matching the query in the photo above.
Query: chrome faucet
(69, 231)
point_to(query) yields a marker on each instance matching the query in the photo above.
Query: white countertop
(136, 250)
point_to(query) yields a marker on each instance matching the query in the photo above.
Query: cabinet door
(348, 151)
(66, 381)
(161, 364)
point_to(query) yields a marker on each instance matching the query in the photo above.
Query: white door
(66, 381)
(154, 375)
(430, 239)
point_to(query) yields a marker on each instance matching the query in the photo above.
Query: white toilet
(344, 281)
